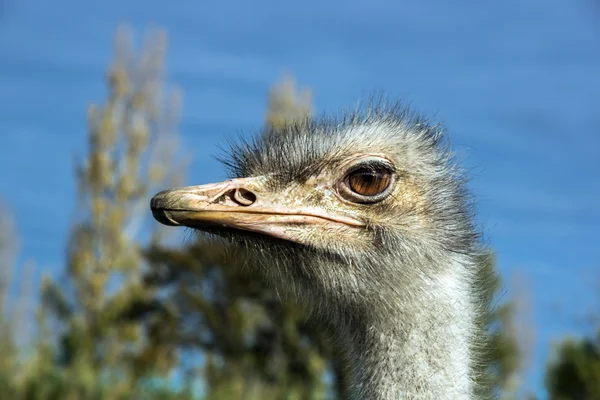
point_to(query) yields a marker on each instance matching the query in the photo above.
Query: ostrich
(366, 220)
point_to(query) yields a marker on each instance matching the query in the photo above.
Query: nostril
(244, 197)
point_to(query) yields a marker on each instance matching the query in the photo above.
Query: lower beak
(236, 204)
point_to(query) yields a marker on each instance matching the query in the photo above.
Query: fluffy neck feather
(421, 350)
(408, 327)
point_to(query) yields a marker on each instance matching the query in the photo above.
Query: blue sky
(516, 82)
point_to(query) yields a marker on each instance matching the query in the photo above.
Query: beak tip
(163, 217)
(158, 200)
(158, 207)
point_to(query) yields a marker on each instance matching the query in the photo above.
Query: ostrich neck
(420, 348)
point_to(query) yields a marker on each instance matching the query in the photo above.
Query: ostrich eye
(367, 183)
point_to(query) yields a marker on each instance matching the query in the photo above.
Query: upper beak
(239, 204)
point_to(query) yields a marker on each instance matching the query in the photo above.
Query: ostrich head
(365, 219)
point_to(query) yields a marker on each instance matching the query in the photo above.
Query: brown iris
(369, 183)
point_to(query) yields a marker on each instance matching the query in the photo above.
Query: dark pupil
(368, 183)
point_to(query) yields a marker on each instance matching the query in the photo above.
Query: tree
(501, 351)
(574, 371)
(255, 345)
(15, 311)
(8, 350)
(286, 104)
(131, 148)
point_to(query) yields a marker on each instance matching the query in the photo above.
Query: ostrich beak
(240, 204)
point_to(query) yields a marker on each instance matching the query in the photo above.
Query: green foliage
(501, 354)
(87, 346)
(574, 373)
(254, 344)
(131, 144)
(130, 147)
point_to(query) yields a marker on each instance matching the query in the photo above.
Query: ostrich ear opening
(240, 204)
